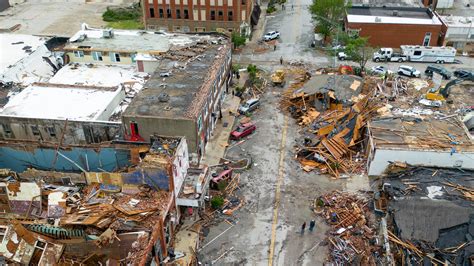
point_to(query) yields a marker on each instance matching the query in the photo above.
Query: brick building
(201, 15)
(395, 26)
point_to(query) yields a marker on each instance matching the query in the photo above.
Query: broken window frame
(79, 54)
(7, 130)
(152, 12)
(97, 56)
(35, 130)
(114, 57)
(133, 56)
(51, 131)
(39, 246)
(199, 123)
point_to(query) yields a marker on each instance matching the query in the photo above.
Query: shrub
(271, 9)
(117, 14)
(217, 202)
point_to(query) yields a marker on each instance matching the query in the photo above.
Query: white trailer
(440, 55)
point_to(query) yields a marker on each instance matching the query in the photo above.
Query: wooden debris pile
(333, 138)
(232, 202)
(351, 236)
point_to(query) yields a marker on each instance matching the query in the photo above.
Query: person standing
(281, 60)
(303, 227)
(311, 225)
(274, 47)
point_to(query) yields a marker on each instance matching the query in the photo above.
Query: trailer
(431, 54)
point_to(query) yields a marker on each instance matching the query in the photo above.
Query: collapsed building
(428, 215)
(95, 105)
(97, 156)
(99, 217)
(351, 124)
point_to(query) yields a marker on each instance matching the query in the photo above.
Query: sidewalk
(187, 241)
(218, 142)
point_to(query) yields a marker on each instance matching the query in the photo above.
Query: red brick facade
(394, 35)
(197, 15)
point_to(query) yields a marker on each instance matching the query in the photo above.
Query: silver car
(249, 106)
(408, 71)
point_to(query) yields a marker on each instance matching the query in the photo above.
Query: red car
(242, 130)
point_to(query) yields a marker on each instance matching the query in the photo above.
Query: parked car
(437, 69)
(271, 35)
(380, 70)
(242, 130)
(249, 106)
(342, 56)
(408, 71)
(463, 74)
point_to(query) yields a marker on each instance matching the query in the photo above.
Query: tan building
(201, 15)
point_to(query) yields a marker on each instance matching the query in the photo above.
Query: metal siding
(108, 159)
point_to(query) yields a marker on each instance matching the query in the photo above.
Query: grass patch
(126, 25)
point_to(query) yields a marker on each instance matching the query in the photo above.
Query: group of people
(312, 224)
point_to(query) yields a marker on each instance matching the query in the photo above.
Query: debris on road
(352, 235)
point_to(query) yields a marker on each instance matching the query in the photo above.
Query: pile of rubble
(333, 136)
(351, 236)
(89, 224)
(333, 121)
(429, 214)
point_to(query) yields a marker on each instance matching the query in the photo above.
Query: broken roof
(59, 101)
(183, 93)
(25, 59)
(131, 41)
(429, 134)
(433, 205)
(16, 47)
(97, 75)
(392, 15)
(343, 86)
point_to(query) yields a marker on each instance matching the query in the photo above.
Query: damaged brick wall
(51, 130)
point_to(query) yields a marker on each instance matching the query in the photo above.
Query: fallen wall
(74, 159)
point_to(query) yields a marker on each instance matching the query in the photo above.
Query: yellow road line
(277, 193)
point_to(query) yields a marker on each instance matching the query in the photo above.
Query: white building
(435, 143)
(460, 34)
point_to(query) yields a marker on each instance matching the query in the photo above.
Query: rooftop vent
(163, 97)
(395, 13)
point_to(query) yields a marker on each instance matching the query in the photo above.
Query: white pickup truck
(387, 54)
(271, 35)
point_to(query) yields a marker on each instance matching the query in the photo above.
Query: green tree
(237, 40)
(359, 50)
(327, 14)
